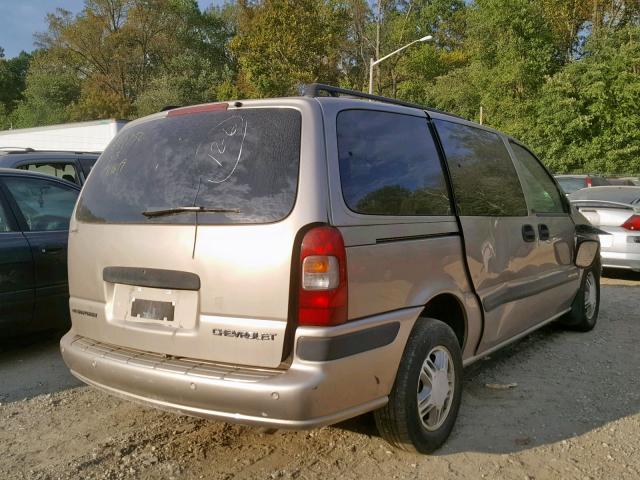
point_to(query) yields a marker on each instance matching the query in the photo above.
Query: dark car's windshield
(242, 161)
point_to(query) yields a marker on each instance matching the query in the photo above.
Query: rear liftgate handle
(528, 233)
(543, 232)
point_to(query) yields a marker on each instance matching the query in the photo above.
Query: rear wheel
(584, 311)
(425, 399)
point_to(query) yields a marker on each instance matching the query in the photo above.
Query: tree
(119, 48)
(410, 74)
(587, 114)
(281, 44)
(200, 73)
(511, 48)
(50, 92)
(567, 18)
(13, 73)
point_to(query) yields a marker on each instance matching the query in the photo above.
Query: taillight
(322, 293)
(632, 223)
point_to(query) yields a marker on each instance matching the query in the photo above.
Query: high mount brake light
(632, 223)
(322, 293)
(209, 107)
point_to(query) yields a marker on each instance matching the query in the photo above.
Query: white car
(615, 210)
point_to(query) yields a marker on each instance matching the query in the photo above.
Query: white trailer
(72, 137)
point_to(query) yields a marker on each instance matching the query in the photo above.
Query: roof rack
(6, 150)
(17, 149)
(317, 90)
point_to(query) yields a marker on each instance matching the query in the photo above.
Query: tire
(586, 306)
(399, 422)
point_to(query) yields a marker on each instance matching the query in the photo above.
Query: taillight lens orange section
(323, 290)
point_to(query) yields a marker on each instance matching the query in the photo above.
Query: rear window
(243, 161)
(61, 169)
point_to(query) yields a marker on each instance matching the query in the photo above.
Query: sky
(20, 19)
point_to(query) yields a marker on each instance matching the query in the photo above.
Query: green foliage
(13, 73)
(137, 53)
(510, 50)
(49, 94)
(587, 116)
(410, 75)
(284, 43)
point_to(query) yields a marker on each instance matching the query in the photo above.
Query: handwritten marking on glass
(223, 145)
(121, 151)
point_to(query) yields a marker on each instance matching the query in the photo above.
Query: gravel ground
(575, 413)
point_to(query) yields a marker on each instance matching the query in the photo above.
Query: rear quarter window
(244, 160)
(389, 165)
(539, 190)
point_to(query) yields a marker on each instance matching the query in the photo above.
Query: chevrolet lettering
(245, 335)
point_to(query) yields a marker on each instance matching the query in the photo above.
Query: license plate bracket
(152, 310)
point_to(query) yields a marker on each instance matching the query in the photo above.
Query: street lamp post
(373, 62)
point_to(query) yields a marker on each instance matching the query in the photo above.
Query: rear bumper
(629, 261)
(327, 382)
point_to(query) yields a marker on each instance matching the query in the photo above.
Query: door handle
(51, 250)
(543, 232)
(528, 233)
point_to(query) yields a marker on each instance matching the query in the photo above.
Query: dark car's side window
(44, 205)
(540, 191)
(87, 164)
(389, 165)
(64, 170)
(484, 178)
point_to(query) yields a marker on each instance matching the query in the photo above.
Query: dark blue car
(73, 167)
(34, 225)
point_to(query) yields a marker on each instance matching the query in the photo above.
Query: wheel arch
(449, 309)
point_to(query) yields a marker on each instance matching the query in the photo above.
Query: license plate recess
(152, 310)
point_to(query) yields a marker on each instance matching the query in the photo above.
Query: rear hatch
(183, 236)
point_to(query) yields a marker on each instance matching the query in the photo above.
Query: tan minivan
(293, 262)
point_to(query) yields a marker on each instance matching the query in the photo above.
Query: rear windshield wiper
(197, 209)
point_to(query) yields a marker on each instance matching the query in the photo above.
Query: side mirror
(586, 254)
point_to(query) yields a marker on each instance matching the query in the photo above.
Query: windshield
(242, 165)
(570, 185)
